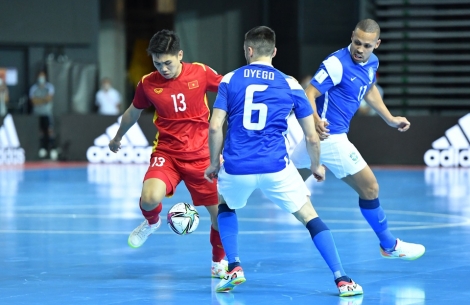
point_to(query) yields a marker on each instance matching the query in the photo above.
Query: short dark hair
(262, 39)
(369, 26)
(164, 42)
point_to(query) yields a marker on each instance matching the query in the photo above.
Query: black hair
(262, 39)
(369, 26)
(164, 42)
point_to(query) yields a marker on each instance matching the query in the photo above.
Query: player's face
(168, 65)
(363, 44)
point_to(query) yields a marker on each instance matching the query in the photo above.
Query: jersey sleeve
(213, 79)
(140, 100)
(302, 106)
(328, 75)
(221, 101)
(50, 88)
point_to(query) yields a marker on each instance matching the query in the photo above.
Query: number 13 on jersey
(178, 101)
(250, 107)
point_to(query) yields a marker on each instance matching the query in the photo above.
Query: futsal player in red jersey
(177, 90)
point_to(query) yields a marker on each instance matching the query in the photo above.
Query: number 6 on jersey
(250, 107)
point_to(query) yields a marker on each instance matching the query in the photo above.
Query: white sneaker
(231, 280)
(42, 153)
(54, 154)
(219, 269)
(403, 250)
(140, 234)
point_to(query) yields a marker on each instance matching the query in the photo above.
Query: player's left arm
(216, 139)
(374, 99)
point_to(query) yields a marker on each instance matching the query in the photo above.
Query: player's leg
(234, 192)
(160, 180)
(204, 193)
(365, 184)
(219, 264)
(53, 154)
(43, 136)
(288, 191)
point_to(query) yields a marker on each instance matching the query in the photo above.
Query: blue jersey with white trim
(343, 84)
(258, 99)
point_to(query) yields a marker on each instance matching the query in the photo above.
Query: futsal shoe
(231, 280)
(140, 234)
(403, 250)
(347, 289)
(219, 269)
(352, 300)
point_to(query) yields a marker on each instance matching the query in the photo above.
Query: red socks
(218, 252)
(152, 216)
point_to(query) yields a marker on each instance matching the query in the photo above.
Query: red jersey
(181, 110)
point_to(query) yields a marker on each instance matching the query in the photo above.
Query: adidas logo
(134, 147)
(453, 148)
(10, 150)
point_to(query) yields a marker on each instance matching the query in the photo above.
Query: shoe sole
(351, 293)
(231, 285)
(403, 257)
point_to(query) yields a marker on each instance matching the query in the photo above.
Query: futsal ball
(183, 218)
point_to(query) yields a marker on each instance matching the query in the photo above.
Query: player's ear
(378, 43)
(180, 55)
(274, 52)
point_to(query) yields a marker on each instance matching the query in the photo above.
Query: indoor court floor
(64, 229)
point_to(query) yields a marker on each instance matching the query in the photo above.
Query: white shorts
(285, 188)
(339, 155)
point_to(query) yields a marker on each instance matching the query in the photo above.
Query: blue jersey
(343, 84)
(258, 99)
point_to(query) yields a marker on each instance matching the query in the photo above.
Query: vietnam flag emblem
(158, 90)
(194, 84)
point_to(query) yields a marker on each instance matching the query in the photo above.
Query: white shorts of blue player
(339, 155)
(343, 159)
(285, 188)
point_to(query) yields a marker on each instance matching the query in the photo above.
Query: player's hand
(318, 173)
(400, 122)
(321, 129)
(212, 173)
(114, 145)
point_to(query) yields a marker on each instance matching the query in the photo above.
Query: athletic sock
(228, 230)
(325, 244)
(153, 215)
(375, 216)
(218, 252)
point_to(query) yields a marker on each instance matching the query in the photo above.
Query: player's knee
(371, 191)
(150, 200)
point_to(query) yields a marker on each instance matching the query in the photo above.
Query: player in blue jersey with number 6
(335, 91)
(256, 100)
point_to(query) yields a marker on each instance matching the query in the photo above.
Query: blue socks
(375, 216)
(228, 230)
(325, 244)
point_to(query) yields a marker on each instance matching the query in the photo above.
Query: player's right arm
(216, 140)
(320, 125)
(328, 75)
(313, 146)
(128, 119)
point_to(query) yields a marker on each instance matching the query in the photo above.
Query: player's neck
(178, 72)
(265, 60)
